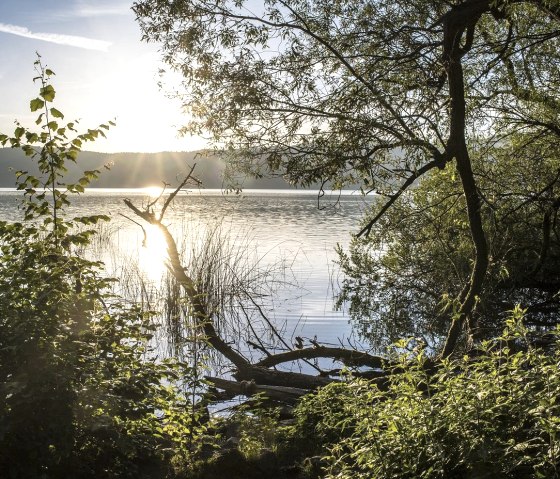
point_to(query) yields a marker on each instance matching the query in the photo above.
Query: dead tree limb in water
(259, 372)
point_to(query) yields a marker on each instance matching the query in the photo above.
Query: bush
(81, 394)
(494, 415)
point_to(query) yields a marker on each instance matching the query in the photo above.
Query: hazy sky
(103, 71)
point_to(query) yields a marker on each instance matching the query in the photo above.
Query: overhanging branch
(439, 163)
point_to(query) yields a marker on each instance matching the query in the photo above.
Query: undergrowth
(494, 414)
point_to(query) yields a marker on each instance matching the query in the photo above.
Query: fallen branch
(349, 357)
(273, 382)
(285, 394)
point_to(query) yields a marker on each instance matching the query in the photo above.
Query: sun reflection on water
(153, 254)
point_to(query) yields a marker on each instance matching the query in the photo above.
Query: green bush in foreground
(492, 416)
(81, 394)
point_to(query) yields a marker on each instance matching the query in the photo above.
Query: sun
(153, 191)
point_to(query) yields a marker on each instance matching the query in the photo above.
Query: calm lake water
(276, 226)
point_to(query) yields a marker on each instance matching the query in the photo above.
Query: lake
(283, 233)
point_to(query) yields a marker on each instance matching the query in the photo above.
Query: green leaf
(19, 131)
(36, 104)
(28, 149)
(47, 93)
(31, 137)
(49, 72)
(56, 113)
(72, 154)
(91, 174)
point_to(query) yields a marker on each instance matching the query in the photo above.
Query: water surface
(288, 226)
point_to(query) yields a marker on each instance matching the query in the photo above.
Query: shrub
(493, 415)
(81, 394)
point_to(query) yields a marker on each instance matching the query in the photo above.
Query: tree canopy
(381, 94)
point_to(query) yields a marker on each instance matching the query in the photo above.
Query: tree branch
(439, 162)
(347, 356)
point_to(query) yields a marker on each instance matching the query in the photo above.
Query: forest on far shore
(139, 170)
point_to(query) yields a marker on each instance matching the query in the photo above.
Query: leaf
(19, 131)
(31, 137)
(28, 149)
(49, 72)
(47, 93)
(56, 113)
(72, 154)
(36, 104)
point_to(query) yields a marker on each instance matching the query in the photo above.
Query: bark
(281, 378)
(456, 24)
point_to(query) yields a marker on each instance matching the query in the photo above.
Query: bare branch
(407, 184)
(347, 356)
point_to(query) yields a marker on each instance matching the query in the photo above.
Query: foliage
(382, 94)
(494, 414)
(403, 278)
(82, 394)
(352, 91)
(258, 429)
(277, 84)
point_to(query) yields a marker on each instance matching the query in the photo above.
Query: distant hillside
(135, 170)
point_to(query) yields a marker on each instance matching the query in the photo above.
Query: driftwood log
(284, 394)
(262, 375)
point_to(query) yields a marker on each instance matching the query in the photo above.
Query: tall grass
(239, 286)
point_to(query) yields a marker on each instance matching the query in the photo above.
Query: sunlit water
(276, 225)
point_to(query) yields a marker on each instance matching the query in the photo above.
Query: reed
(240, 286)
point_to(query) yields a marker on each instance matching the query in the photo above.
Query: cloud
(101, 10)
(89, 10)
(70, 40)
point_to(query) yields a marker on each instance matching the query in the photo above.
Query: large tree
(372, 92)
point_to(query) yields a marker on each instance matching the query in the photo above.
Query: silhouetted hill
(134, 170)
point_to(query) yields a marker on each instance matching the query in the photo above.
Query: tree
(374, 92)
(426, 251)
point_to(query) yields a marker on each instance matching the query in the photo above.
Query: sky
(103, 71)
